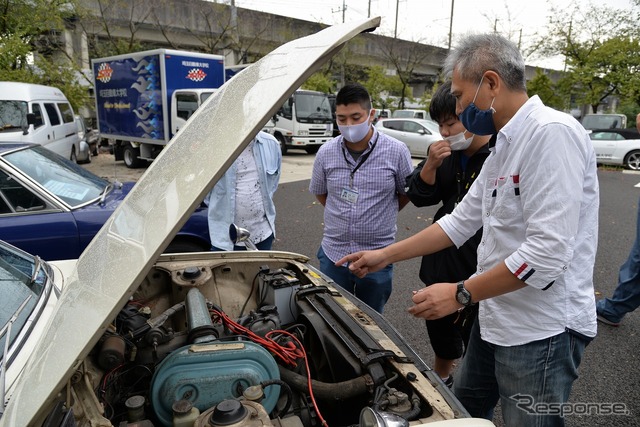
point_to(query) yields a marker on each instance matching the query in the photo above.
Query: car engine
(240, 340)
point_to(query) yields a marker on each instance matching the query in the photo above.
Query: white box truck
(144, 98)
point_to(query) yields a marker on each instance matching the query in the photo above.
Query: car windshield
(431, 125)
(313, 106)
(61, 177)
(13, 115)
(20, 277)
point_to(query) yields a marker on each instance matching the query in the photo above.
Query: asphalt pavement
(609, 376)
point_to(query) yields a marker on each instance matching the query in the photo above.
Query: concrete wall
(243, 36)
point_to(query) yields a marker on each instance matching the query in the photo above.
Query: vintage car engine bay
(249, 338)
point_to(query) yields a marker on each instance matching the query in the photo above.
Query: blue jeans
(626, 297)
(374, 289)
(531, 380)
(265, 245)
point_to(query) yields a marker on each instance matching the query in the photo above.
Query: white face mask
(355, 133)
(459, 142)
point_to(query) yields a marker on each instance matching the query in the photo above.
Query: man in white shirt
(537, 201)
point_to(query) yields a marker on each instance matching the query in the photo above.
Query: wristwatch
(463, 296)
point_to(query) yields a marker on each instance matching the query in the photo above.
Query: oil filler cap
(191, 273)
(228, 412)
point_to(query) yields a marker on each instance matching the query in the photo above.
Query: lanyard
(361, 161)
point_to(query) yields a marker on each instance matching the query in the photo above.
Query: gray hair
(478, 53)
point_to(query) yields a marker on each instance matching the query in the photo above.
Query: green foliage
(321, 82)
(30, 40)
(630, 109)
(542, 86)
(379, 84)
(602, 53)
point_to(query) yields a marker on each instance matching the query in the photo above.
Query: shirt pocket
(507, 203)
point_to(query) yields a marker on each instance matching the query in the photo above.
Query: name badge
(349, 195)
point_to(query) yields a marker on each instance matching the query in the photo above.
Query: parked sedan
(418, 134)
(617, 147)
(52, 207)
(216, 339)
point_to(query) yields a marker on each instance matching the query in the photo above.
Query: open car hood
(123, 252)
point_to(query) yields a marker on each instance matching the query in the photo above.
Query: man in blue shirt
(359, 177)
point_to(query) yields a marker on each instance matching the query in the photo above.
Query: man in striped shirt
(359, 177)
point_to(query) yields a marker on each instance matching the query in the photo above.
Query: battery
(278, 288)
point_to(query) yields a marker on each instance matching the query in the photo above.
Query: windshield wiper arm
(36, 268)
(104, 193)
(6, 332)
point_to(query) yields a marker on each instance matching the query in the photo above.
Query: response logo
(104, 72)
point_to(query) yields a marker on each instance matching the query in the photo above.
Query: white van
(38, 114)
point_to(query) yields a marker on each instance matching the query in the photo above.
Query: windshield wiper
(104, 193)
(36, 268)
(6, 332)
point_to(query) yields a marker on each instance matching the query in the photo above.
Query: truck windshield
(13, 115)
(602, 121)
(313, 107)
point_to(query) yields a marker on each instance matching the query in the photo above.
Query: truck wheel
(130, 157)
(283, 146)
(313, 149)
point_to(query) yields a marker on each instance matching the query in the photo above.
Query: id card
(349, 195)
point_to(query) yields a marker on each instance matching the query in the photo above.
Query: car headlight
(370, 417)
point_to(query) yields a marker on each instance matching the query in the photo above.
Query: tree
(378, 83)
(31, 48)
(404, 59)
(542, 86)
(602, 52)
(321, 82)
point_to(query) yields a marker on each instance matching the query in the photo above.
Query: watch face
(463, 296)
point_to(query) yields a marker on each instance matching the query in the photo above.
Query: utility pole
(451, 24)
(395, 31)
(369, 11)
(344, 8)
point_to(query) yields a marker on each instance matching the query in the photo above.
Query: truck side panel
(133, 92)
(192, 72)
(129, 98)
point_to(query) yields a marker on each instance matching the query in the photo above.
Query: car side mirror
(239, 234)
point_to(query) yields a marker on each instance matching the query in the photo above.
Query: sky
(427, 21)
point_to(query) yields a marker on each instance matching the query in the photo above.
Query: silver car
(211, 338)
(417, 134)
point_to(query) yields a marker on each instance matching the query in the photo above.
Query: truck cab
(304, 121)
(185, 102)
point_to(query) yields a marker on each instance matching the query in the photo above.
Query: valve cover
(207, 374)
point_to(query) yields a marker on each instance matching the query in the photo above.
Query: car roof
(159, 204)
(627, 133)
(425, 122)
(6, 146)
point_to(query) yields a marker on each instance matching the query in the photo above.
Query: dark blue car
(52, 207)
